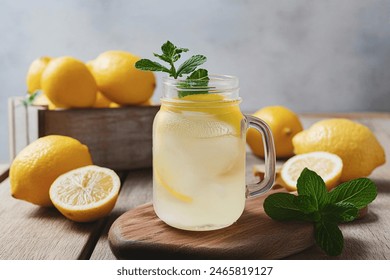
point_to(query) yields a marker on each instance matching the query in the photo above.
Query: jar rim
(225, 85)
(223, 81)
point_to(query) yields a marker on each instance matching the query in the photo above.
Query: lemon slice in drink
(328, 166)
(85, 194)
(203, 97)
(228, 113)
(172, 191)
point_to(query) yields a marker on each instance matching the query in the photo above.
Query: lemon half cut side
(85, 194)
(328, 166)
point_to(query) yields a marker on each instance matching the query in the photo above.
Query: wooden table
(31, 232)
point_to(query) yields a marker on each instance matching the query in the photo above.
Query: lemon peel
(119, 80)
(353, 142)
(36, 167)
(283, 123)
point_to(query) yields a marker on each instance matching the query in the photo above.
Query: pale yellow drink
(199, 162)
(199, 154)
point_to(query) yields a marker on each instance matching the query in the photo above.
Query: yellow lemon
(283, 123)
(114, 105)
(51, 106)
(34, 73)
(37, 166)
(328, 166)
(353, 142)
(101, 101)
(41, 100)
(119, 80)
(68, 83)
(149, 102)
(85, 194)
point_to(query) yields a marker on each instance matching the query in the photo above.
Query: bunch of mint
(197, 78)
(324, 209)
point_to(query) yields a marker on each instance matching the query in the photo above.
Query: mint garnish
(329, 237)
(358, 192)
(171, 54)
(324, 209)
(197, 78)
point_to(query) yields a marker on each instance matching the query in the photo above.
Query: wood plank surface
(30, 232)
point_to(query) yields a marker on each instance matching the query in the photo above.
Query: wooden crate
(118, 138)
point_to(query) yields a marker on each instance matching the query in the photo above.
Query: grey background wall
(308, 55)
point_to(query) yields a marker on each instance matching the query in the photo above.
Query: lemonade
(199, 164)
(199, 149)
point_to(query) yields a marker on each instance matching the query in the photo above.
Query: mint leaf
(168, 49)
(198, 79)
(200, 74)
(360, 192)
(171, 54)
(148, 65)
(339, 212)
(190, 64)
(282, 207)
(177, 55)
(163, 57)
(329, 237)
(326, 209)
(171, 51)
(307, 204)
(310, 184)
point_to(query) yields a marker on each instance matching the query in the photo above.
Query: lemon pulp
(85, 194)
(328, 166)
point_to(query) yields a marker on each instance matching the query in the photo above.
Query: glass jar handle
(263, 186)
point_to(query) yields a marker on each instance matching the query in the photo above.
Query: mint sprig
(171, 54)
(322, 208)
(197, 79)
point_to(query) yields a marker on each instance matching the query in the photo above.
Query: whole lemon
(354, 143)
(101, 101)
(114, 105)
(41, 100)
(283, 123)
(68, 83)
(34, 73)
(37, 166)
(119, 80)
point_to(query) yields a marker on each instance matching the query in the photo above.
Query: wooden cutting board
(140, 234)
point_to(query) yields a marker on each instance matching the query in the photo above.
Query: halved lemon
(328, 166)
(85, 194)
